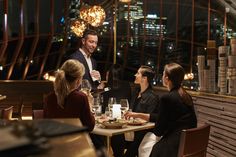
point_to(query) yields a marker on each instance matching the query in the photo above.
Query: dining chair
(193, 142)
(19, 112)
(38, 114)
(0, 113)
(7, 113)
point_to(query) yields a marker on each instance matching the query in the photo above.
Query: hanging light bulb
(98, 16)
(95, 15)
(78, 27)
(84, 13)
(189, 76)
(125, 1)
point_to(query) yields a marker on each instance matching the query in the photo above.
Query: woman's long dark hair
(175, 73)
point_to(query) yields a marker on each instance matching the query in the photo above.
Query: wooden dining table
(108, 133)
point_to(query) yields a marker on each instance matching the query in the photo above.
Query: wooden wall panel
(32, 92)
(220, 113)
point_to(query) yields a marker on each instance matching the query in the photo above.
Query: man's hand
(95, 75)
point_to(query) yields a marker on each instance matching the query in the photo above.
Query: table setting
(114, 116)
(116, 123)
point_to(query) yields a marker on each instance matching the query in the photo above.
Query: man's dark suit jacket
(80, 57)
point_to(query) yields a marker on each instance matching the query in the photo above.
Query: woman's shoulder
(168, 97)
(49, 95)
(77, 94)
(165, 96)
(151, 92)
(150, 95)
(174, 93)
(171, 97)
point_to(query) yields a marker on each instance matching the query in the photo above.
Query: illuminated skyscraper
(151, 28)
(144, 33)
(140, 25)
(136, 11)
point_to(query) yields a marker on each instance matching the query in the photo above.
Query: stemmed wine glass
(124, 106)
(111, 101)
(107, 112)
(85, 86)
(96, 107)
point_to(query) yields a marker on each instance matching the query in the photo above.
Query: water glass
(111, 101)
(97, 108)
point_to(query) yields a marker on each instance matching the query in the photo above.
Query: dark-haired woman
(145, 100)
(176, 112)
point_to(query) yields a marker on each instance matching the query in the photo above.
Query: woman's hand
(129, 115)
(144, 116)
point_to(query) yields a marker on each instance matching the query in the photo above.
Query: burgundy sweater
(76, 106)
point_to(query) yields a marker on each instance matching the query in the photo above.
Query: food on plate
(114, 123)
(136, 121)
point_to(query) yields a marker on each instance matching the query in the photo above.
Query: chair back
(193, 142)
(7, 113)
(19, 112)
(38, 114)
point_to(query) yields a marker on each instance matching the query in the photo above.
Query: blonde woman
(66, 101)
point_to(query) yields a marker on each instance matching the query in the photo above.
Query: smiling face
(90, 44)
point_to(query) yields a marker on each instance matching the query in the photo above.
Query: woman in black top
(145, 100)
(176, 112)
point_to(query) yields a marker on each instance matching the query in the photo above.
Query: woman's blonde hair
(66, 79)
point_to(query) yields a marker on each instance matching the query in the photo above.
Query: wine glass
(124, 106)
(107, 112)
(86, 86)
(111, 101)
(96, 107)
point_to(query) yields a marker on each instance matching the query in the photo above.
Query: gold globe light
(125, 1)
(84, 13)
(95, 15)
(78, 27)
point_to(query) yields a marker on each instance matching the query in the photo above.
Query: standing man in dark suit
(84, 55)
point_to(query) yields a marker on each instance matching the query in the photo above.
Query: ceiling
(219, 4)
(231, 4)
